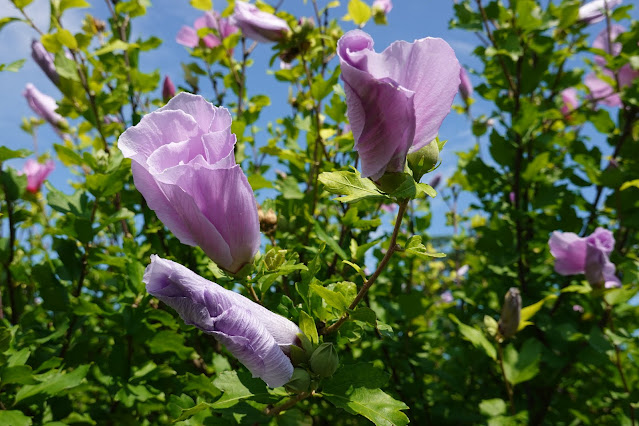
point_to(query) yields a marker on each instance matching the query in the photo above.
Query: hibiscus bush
(216, 258)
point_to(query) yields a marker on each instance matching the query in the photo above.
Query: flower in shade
(44, 106)
(569, 101)
(397, 99)
(36, 173)
(258, 25)
(168, 89)
(595, 11)
(184, 166)
(44, 59)
(188, 36)
(384, 5)
(578, 308)
(465, 86)
(257, 337)
(447, 296)
(511, 197)
(590, 256)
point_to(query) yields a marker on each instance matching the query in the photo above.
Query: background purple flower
(396, 100)
(44, 59)
(183, 164)
(601, 90)
(258, 25)
(188, 36)
(36, 173)
(447, 296)
(595, 11)
(257, 337)
(43, 105)
(465, 85)
(384, 5)
(569, 101)
(607, 44)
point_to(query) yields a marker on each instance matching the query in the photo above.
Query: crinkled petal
(594, 11)
(207, 117)
(569, 251)
(258, 25)
(187, 36)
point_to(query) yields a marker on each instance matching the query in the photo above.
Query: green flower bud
(510, 313)
(423, 160)
(324, 360)
(300, 381)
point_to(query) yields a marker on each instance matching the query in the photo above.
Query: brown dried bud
(268, 221)
(510, 313)
(99, 24)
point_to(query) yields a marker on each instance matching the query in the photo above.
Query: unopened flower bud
(423, 160)
(168, 89)
(324, 360)
(268, 221)
(300, 381)
(510, 313)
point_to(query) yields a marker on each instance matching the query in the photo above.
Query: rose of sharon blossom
(590, 256)
(258, 25)
(257, 337)
(187, 36)
(569, 101)
(36, 173)
(384, 5)
(44, 59)
(396, 99)
(43, 105)
(465, 86)
(608, 44)
(184, 166)
(595, 11)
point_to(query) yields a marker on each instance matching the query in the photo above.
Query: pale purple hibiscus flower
(589, 256)
(569, 101)
(257, 337)
(188, 36)
(44, 106)
(36, 173)
(465, 85)
(258, 25)
(447, 296)
(384, 5)
(184, 166)
(397, 99)
(595, 11)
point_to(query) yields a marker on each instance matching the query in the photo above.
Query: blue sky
(409, 20)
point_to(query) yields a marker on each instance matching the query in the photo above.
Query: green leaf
(69, 4)
(54, 383)
(14, 418)
(105, 185)
(169, 341)
(476, 337)
(237, 388)
(7, 20)
(492, 407)
(359, 12)
(12, 183)
(307, 325)
(113, 46)
(21, 374)
(332, 298)
(14, 66)
(534, 168)
(524, 365)
(7, 154)
(629, 184)
(190, 412)
(205, 5)
(66, 39)
(351, 185)
(5, 338)
(322, 235)
(21, 4)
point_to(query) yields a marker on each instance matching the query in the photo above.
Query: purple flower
(388, 208)
(603, 91)
(384, 5)
(595, 11)
(36, 173)
(590, 256)
(168, 89)
(435, 181)
(578, 308)
(258, 25)
(607, 44)
(511, 197)
(465, 86)
(569, 101)
(447, 296)
(187, 36)
(257, 337)
(43, 105)
(183, 164)
(463, 270)
(397, 99)
(44, 59)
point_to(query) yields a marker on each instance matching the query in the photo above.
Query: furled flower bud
(44, 59)
(300, 381)
(435, 181)
(396, 100)
(465, 85)
(268, 221)
(257, 337)
(324, 361)
(44, 106)
(510, 313)
(36, 173)
(184, 165)
(595, 11)
(258, 25)
(168, 89)
(423, 160)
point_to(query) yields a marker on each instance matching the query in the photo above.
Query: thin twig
(274, 411)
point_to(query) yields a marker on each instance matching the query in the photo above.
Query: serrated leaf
(7, 153)
(332, 298)
(113, 46)
(322, 235)
(14, 66)
(351, 186)
(14, 418)
(374, 404)
(237, 388)
(55, 383)
(359, 12)
(524, 365)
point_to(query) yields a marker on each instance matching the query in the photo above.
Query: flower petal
(569, 251)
